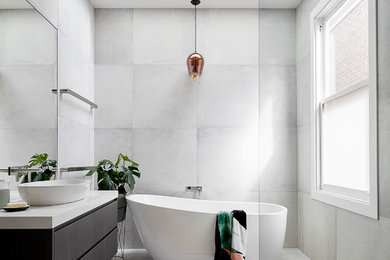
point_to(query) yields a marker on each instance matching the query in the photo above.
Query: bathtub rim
(132, 197)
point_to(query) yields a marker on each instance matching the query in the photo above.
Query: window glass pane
(347, 46)
(345, 141)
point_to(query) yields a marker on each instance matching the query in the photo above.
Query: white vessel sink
(45, 193)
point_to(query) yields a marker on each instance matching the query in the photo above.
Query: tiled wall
(181, 132)
(76, 72)
(28, 60)
(278, 132)
(74, 20)
(327, 232)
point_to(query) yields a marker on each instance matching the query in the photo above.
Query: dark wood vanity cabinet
(91, 236)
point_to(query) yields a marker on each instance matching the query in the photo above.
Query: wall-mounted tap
(20, 171)
(196, 190)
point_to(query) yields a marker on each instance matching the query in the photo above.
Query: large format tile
(74, 68)
(162, 36)
(304, 90)
(75, 144)
(48, 8)
(18, 145)
(277, 37)
(319, 228)
(164, 97)
(167, 160)
(290, 201)
(304, 159)
(26, 99)
(228, 159)
(362, 238)
(278, 96)
(228, 97)
(26, 38)
(110, 142)
(278, 159)
(240, 196)
(227, 36)
(75, 73)
(114, 96)
(113, 36)
(76, 22)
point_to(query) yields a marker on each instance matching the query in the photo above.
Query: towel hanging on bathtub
(238, 235)
(223, 236)
(230, 235)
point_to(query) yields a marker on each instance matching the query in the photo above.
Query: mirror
(28, 73)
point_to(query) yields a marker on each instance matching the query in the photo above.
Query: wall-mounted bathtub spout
(196, 190)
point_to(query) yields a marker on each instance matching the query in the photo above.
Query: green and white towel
(230, 235)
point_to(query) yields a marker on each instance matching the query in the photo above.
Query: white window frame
(353, 200)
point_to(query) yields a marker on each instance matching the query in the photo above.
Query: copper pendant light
(195, 61)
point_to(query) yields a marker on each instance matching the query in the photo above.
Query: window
(344, 137)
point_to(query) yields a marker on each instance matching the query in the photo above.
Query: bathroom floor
(141, 254)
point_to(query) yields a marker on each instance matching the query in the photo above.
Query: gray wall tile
(26, 38)
(26, 98)
(319, 228)
(114, 96)
(290, 201)
(304, 159)
(233, 41)
(228, 158)
(164, 97)
(113, 36)
(362, 238)
(109, 142)
(278, 47)
(278, 94)
(167, 159)
(162, 36)
(278, 159)
(227, 96)
(49, 8)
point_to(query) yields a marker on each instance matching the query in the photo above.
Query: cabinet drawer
(75, 239)
(106, 248)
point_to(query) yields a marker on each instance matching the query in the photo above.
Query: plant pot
(122, 205)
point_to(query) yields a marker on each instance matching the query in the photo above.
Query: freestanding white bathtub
(184, 229)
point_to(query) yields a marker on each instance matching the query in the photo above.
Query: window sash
(321, 104)
(361, 202)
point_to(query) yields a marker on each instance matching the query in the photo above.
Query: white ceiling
(187, 4)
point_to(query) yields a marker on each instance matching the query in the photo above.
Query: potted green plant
(46, 166)
(117, 176)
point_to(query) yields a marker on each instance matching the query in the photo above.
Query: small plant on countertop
(47, 167)
(115, 176)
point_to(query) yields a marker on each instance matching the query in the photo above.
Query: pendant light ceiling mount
(195, 2)
(195, 61)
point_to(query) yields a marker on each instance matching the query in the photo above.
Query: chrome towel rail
(76, 95)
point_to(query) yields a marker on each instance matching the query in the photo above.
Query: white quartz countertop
(48, 217)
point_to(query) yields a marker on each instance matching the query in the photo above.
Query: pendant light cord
(195, 31)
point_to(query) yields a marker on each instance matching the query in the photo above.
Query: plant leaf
(106, 184)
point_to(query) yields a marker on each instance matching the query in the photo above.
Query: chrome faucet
(19, 171)
(196, 190)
